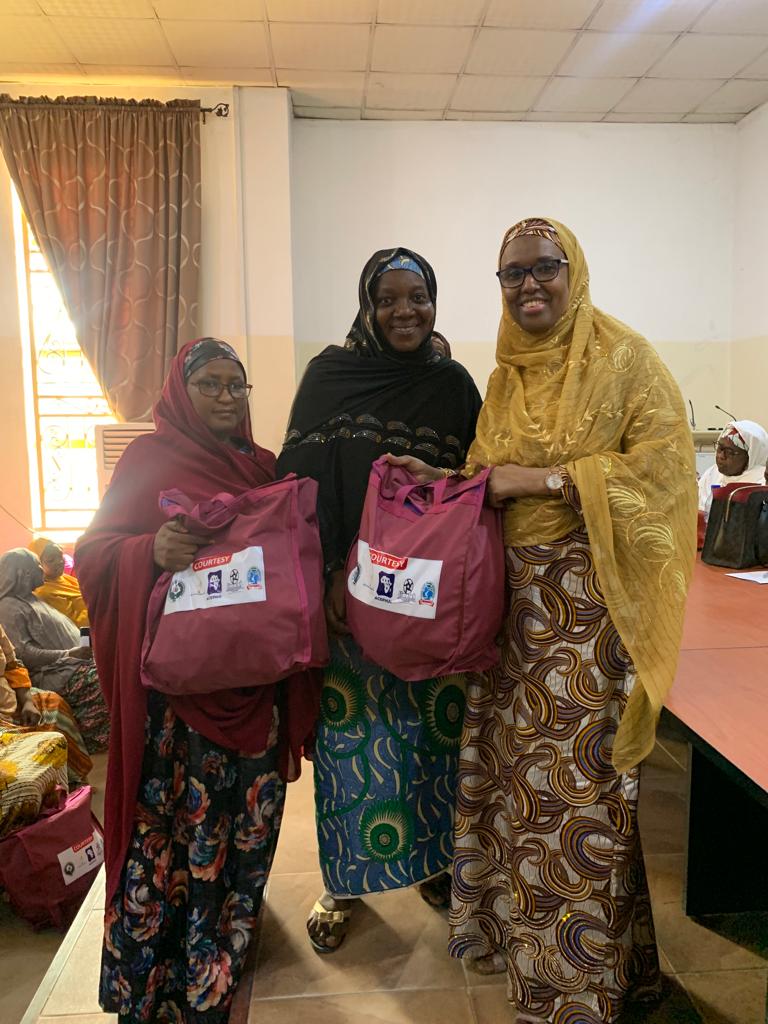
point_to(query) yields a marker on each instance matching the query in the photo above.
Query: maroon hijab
(117, 572)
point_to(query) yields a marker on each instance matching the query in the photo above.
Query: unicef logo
(254, 576)
(428, 593)
(177, 590)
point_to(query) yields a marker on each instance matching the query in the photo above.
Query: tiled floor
(393, 968)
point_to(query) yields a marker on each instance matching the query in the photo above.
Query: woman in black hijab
(385, 758)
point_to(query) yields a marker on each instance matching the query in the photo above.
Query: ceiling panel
(243, 44)
(673, 96)
(500, 51)
(614, 54)
(371, 114)
(551, 14)
(324, 88)
(562, 116)
(708, 56)
(344, 11)
(642, 118)
(32, 39)
(408, 92)
(712, 118)
(428, 50)
(736, 97)
(128, 73)
(114, 40)
(206, 10)
(757, 69)
(328, 113)
(647, 15)
(98, 8)
(227, 76)
(329, 47)
(11, 71)
(496, 92)
(591, 95)
(430, 12)
(22, 7)
(486, 115)
(735, 16)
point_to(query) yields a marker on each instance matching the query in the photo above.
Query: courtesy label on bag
(81, 858)
(218, 580)
(396, 583)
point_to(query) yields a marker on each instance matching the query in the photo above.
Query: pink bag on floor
(249, 610)
(48, 867)
(425, 577)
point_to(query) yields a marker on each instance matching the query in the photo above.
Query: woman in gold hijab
(595, 472)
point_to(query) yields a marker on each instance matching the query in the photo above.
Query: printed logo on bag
(396, 583)
(81, 858)
(216, 581)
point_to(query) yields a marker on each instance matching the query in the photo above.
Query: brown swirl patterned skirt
(548, 868)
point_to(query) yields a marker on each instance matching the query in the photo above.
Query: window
(66, 403)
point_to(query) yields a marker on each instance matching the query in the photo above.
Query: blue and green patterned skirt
(385, 775)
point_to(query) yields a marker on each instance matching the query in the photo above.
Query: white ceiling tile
(98, 8)
(539, 13)
(22, 7)
(581, 116)
(328, 113)
(408, 92)
(205, 10)
(323, 88)
(647, 15)
(496, 92)
(642, 118)
(29, 71)
(708, 56)
(671, 96)
(429, 12)
(736, 97)
(734, 16)
(757, 69)
(485, 115)
(403, 115)
(114, 40)
(227, 76)
(499, 51)
(427, 50)
(130, 73)
(243, 44)
(589, 95)
(345, 11)
(330, 47)
(712, 118)
(614, 54)
(32, 39)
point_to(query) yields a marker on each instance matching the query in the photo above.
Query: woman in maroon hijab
(195, 785)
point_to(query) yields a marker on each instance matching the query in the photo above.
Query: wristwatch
(554, 479)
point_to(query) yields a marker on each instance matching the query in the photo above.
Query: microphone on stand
(728, 414)
(693, 417)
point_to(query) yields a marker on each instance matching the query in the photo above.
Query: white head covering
(751, 438)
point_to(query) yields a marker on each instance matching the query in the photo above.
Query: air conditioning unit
(111, 441)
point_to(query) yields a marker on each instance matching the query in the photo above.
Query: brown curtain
(111, 190)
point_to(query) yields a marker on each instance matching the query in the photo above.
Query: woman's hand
(81, 653)
(26, 711)
(424, 473)
(513, 481)
(336, 603)
(175, 547)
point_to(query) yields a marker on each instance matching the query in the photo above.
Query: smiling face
(535, 306)
(223, 413)
(405, 313)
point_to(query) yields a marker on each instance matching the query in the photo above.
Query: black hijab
(358, 402)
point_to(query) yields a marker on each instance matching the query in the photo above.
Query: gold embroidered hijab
(594, 396)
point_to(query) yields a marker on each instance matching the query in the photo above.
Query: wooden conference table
(720, 703)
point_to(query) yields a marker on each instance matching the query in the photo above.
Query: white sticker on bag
(395, 583)
(218, 580)
(81, 858)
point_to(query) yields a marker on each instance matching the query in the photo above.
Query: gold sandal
(336, 922)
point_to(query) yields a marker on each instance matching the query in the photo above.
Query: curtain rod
(219, 109)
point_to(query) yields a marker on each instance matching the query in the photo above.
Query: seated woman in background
(742, 450)
(60, 590)
(48, 645)
(24, 708)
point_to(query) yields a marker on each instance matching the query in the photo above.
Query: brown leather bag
(737, 531)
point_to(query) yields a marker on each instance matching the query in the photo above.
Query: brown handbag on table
(737, 531)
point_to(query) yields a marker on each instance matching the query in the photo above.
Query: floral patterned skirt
(385, 775)
(83, 694)
(177, 932)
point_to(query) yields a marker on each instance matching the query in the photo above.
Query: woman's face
(405, 313)
(731, 461)
(31, 576)
(52, 561)
(222, 413)
(535, 306)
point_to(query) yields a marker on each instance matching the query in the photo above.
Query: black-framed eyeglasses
(729, 450)
(544, 270)
(213, 388)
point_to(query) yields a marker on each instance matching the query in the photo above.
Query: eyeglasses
(544, 270)
(729, 451)
(213, 388)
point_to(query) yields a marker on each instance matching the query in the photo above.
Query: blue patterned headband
(402, 263)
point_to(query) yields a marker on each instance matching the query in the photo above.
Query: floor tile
(692, 946)
(474, 980)
(491, 1005)
(728, 997)
(662, 759)
(433, 1007)
(663, 814)
(665, 877)
(675, 1007)
(297, 845)
(395, 941)
(81, 1018)
(25, 956)
(76, 989)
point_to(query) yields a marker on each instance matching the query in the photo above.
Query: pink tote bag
(249, 610)
(425, 577)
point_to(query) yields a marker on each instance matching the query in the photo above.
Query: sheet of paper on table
(761, 576)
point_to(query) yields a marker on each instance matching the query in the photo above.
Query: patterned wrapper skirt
(178, 930)
(385, 775)
(83, 694)
(33, 772)
(56, 716)
(548, 869)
